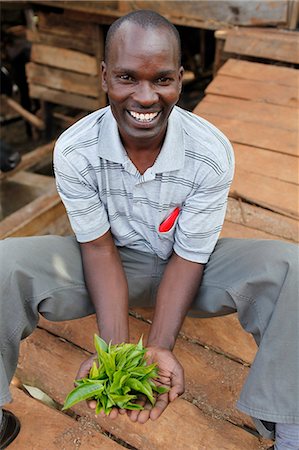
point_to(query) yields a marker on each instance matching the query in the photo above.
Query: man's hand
(83, 372)
(171, 375)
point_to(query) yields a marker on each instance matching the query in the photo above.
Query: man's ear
(104, 77)
(181, 74)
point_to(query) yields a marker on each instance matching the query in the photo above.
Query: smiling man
(145, 186)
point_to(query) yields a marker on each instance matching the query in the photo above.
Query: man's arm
(107, 286)
(108, 289)
(177, 290)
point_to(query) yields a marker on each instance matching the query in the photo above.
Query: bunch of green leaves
(118, 377)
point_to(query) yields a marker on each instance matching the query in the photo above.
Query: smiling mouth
(143, 118)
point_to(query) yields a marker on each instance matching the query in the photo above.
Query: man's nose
(145, 94)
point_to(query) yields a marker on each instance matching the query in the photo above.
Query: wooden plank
(275, 116)
(52, 23)
(239, 231)
(264, 162)
(58, 429)
(66, 98)
(229, 12)
(29, 159)
(218, 381)
(267, 73)
(253, 217)
(258, 91)
(268, 192)
(29, 220)
(62, 80)
(212, 333)
(64, 59)
(28, 116)
(41, 182)
(254, 134)
(210, 15)
(264, 43)
(54, 40)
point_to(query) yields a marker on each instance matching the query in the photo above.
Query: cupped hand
(83, 372)
(171, 375)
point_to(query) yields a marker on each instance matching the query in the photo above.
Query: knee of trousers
(277, 259)
(16, 285)
(271, 283)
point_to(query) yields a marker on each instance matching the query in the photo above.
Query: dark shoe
(9, 428)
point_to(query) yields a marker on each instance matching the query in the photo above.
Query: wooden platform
(256, 106)
(216, 353)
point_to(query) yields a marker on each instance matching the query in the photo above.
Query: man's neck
(143, 154)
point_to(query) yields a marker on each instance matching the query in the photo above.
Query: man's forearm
(107, 286)
(177, 290)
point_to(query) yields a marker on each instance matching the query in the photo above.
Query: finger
(144, 415)
(91, 404)
(133, 414)
(160, 406)
(113, 413)
(85, 368)
(178, 384)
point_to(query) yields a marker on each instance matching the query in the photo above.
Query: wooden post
(220, 36)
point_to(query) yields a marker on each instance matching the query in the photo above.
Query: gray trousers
(258, 279)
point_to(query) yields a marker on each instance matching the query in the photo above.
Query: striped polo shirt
(102, 189)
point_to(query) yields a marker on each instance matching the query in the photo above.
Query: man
(145, 186)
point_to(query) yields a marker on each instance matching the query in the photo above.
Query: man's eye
(126, 78)
(163, 80)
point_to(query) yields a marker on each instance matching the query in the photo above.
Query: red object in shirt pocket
(168, 223)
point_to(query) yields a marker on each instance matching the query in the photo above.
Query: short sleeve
(202, 216)
(85, 210)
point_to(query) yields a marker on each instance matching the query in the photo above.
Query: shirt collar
(171, 156)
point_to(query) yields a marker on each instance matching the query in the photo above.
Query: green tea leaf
(100, 344)
(140, 345)
(108, 361)
(137, 386)
(119, 379)
(133, 406)
(94, 371)
(160, 389)
(150, 371)
(83, 392)
(99, 407)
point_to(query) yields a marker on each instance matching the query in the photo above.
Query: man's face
(143, 80)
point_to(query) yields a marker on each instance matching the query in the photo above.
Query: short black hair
(146, 19)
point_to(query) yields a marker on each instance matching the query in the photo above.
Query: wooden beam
(274, 116)
(254, 134)
(260, 91)
(32, 218)
(27, 115)
(64, 59)
(59, 429)
(66, 98)
(251, 219)
(62, 80)
(29, 159)
(266, 73)
(264, 43)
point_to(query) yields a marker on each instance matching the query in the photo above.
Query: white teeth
(148, 117)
